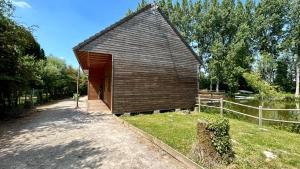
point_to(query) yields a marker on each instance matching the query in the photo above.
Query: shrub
(294, 128)
(213, 147)
(220, 138)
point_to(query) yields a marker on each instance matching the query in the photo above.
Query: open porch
(99, 69)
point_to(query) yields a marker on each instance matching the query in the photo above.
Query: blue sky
(62, 24)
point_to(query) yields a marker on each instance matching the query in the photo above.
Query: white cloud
(21, 4)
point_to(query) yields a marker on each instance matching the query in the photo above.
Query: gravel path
(58, 136)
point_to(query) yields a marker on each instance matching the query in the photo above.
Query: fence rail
(260, 110)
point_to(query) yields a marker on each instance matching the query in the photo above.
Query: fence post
(199, 103)
(260, 116)
(221, 106)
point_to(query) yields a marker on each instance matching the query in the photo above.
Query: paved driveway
(58, 136)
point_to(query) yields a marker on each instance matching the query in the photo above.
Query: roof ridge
(107, 29)
(125, 19)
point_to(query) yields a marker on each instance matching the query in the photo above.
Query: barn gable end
(152, 67)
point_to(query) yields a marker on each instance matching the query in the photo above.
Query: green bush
(221, 138)
(294, 128)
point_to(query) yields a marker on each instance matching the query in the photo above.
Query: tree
(292, 42)
(167, 8)
(184, 19)
(50, 74)
(19, 52)
(208, 39)
(6, 8)
(271, 19)
(59, 79)
(283, 78)
(265, 90)
(23, 65)
(216, 63)
(142, 4)
(129, 12)
(239, 58)
(266, 67)
(224, 37)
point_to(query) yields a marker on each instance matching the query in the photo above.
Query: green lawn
(179, 131)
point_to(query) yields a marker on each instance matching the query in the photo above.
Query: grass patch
(249, 141)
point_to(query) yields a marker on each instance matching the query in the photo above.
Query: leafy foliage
(142, 4)
(221, 139)
(266, 91)
(284, 77)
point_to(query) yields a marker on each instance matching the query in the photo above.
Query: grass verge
(249, 141)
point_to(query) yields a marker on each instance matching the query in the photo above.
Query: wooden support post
(260, 116)
(77, 87)
(221, 107)
(199, 102)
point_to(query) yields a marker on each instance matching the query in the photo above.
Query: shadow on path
(60, 136)
(76, 154)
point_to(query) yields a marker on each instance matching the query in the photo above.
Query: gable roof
(125, 19)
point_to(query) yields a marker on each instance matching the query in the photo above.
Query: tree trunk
(217, 85)
(210, 85)
(31, 97)
(297, 76)
(41, 96)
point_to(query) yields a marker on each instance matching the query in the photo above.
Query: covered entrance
(99, 69)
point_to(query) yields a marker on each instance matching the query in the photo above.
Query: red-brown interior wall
(107, 83)
(95, 78)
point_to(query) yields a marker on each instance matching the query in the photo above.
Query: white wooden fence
(260, 110)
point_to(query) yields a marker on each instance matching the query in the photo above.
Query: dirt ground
(59, 136)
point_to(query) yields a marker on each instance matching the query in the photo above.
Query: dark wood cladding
(152, 67)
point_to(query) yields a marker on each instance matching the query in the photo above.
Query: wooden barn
(140, 64)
